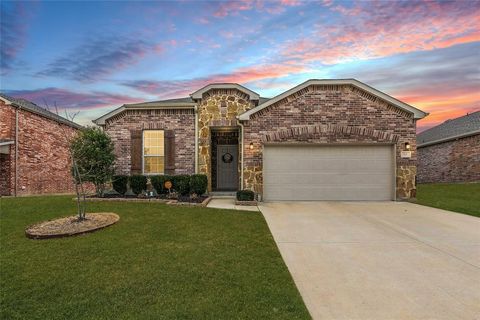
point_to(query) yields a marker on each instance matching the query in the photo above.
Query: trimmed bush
(198, 184)
(138, 183)
(158, 182)
(245, 195)
(181, 184)
(119, 184)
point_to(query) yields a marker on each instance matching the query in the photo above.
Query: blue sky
(94, 56)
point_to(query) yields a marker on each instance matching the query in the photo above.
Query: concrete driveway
(380, 260)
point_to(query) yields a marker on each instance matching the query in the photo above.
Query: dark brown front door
(227, 167)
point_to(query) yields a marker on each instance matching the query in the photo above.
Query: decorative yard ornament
(168, 185)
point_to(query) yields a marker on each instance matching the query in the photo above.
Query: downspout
(16, 150)
(241, 153)
(196, 138)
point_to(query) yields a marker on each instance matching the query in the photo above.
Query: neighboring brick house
(450, 152)
(34, 157)
(321, 140)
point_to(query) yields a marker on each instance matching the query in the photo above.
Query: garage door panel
(326, 178)
(329, 193)
(328, 172)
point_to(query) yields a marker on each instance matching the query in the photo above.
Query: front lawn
(464, 197)
(157, 262)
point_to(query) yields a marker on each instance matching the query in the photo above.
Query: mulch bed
(70, 226)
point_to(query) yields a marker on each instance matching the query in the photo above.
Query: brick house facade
(450, 152)
(36, 161)
(315, 113)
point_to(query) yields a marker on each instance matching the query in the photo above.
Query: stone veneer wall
(43, 156)
(218, 108)
(331, 114)
(451, 161)
(182, 121)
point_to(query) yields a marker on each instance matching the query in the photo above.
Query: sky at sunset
(95, 56)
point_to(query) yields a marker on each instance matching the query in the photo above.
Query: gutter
(463, 135)
(16, 150)
(196, 138)
(241, 153)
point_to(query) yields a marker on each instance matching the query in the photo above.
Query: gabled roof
(198, 94)
(460, 127)
(33, 108)
(418, 114)
(180, 103)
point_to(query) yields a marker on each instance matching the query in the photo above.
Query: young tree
(93, 157)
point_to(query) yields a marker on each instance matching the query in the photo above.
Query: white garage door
(328, 172)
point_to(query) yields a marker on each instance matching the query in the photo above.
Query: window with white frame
(153, 152)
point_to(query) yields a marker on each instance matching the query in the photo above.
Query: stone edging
(193, 204)
(68, 234)
(166, 201)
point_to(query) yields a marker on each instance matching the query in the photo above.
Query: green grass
(463, 198)
(157, 262)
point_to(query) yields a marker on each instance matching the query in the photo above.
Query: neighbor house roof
(418, 114)
(198, 94)
(452, 129)
(33, 108)
(179, 103)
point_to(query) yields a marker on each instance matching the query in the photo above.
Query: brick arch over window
(329, 133)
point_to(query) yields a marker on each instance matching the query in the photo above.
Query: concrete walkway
(381, 260)
(229, 203)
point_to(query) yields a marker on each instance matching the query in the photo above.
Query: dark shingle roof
(450, 129)
(32, 107)
(263, 100)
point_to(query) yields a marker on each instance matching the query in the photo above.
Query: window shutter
(169, 138)
(136, 151)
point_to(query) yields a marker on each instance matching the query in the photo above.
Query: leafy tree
(92, 151)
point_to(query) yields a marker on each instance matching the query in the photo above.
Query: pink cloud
(442, 104)
(172, 89)
(234, 7)
(387, 29)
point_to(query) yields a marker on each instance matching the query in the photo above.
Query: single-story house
(321, 140)
(450, 152)
(34, 157)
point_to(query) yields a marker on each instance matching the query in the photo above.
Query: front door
(227, 167)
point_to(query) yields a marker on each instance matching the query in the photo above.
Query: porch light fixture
(251, 145)
(407, 146)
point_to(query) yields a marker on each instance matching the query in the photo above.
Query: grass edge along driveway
(157, 262)
(458, 197)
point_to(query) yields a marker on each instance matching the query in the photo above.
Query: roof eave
(143, 106)
(6, 143)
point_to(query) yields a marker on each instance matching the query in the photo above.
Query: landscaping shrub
(245, 195)
(119, 183)
(92, 150)
(158, 182)
(138, 183)
(198, 184)
(181, 184)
